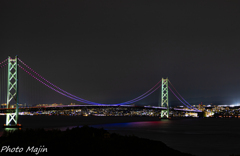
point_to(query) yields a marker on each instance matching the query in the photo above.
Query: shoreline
(43, 121)
(65, 121)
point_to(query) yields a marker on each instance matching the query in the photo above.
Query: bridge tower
(164, 99)
(12, 92)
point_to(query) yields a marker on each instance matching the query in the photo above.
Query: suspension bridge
(10, 81)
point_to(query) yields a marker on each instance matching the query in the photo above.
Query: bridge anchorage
(12, 93)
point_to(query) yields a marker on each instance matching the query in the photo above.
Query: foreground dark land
(84, 140)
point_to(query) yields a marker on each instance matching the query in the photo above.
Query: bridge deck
(67, 107)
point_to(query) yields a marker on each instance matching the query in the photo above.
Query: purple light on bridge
(3, 65)
(86, 101)
(64, 93)
(144, 96)
(178, 98)
(4, 61)
(145, 93)
(182, 97)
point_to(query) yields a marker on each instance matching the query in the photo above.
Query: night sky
(113, 51)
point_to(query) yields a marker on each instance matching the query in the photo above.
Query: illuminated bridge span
(14, 64)
(76, 107)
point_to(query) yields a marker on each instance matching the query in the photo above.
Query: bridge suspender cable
(81, 100)
(64, 93)
(86, 101)
(149, 92)
(46, 84)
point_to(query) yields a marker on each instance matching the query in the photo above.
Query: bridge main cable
(83, 100)
(3, 61)
(3, 64)
(86, 101)
(182, 97)
(178, 98)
